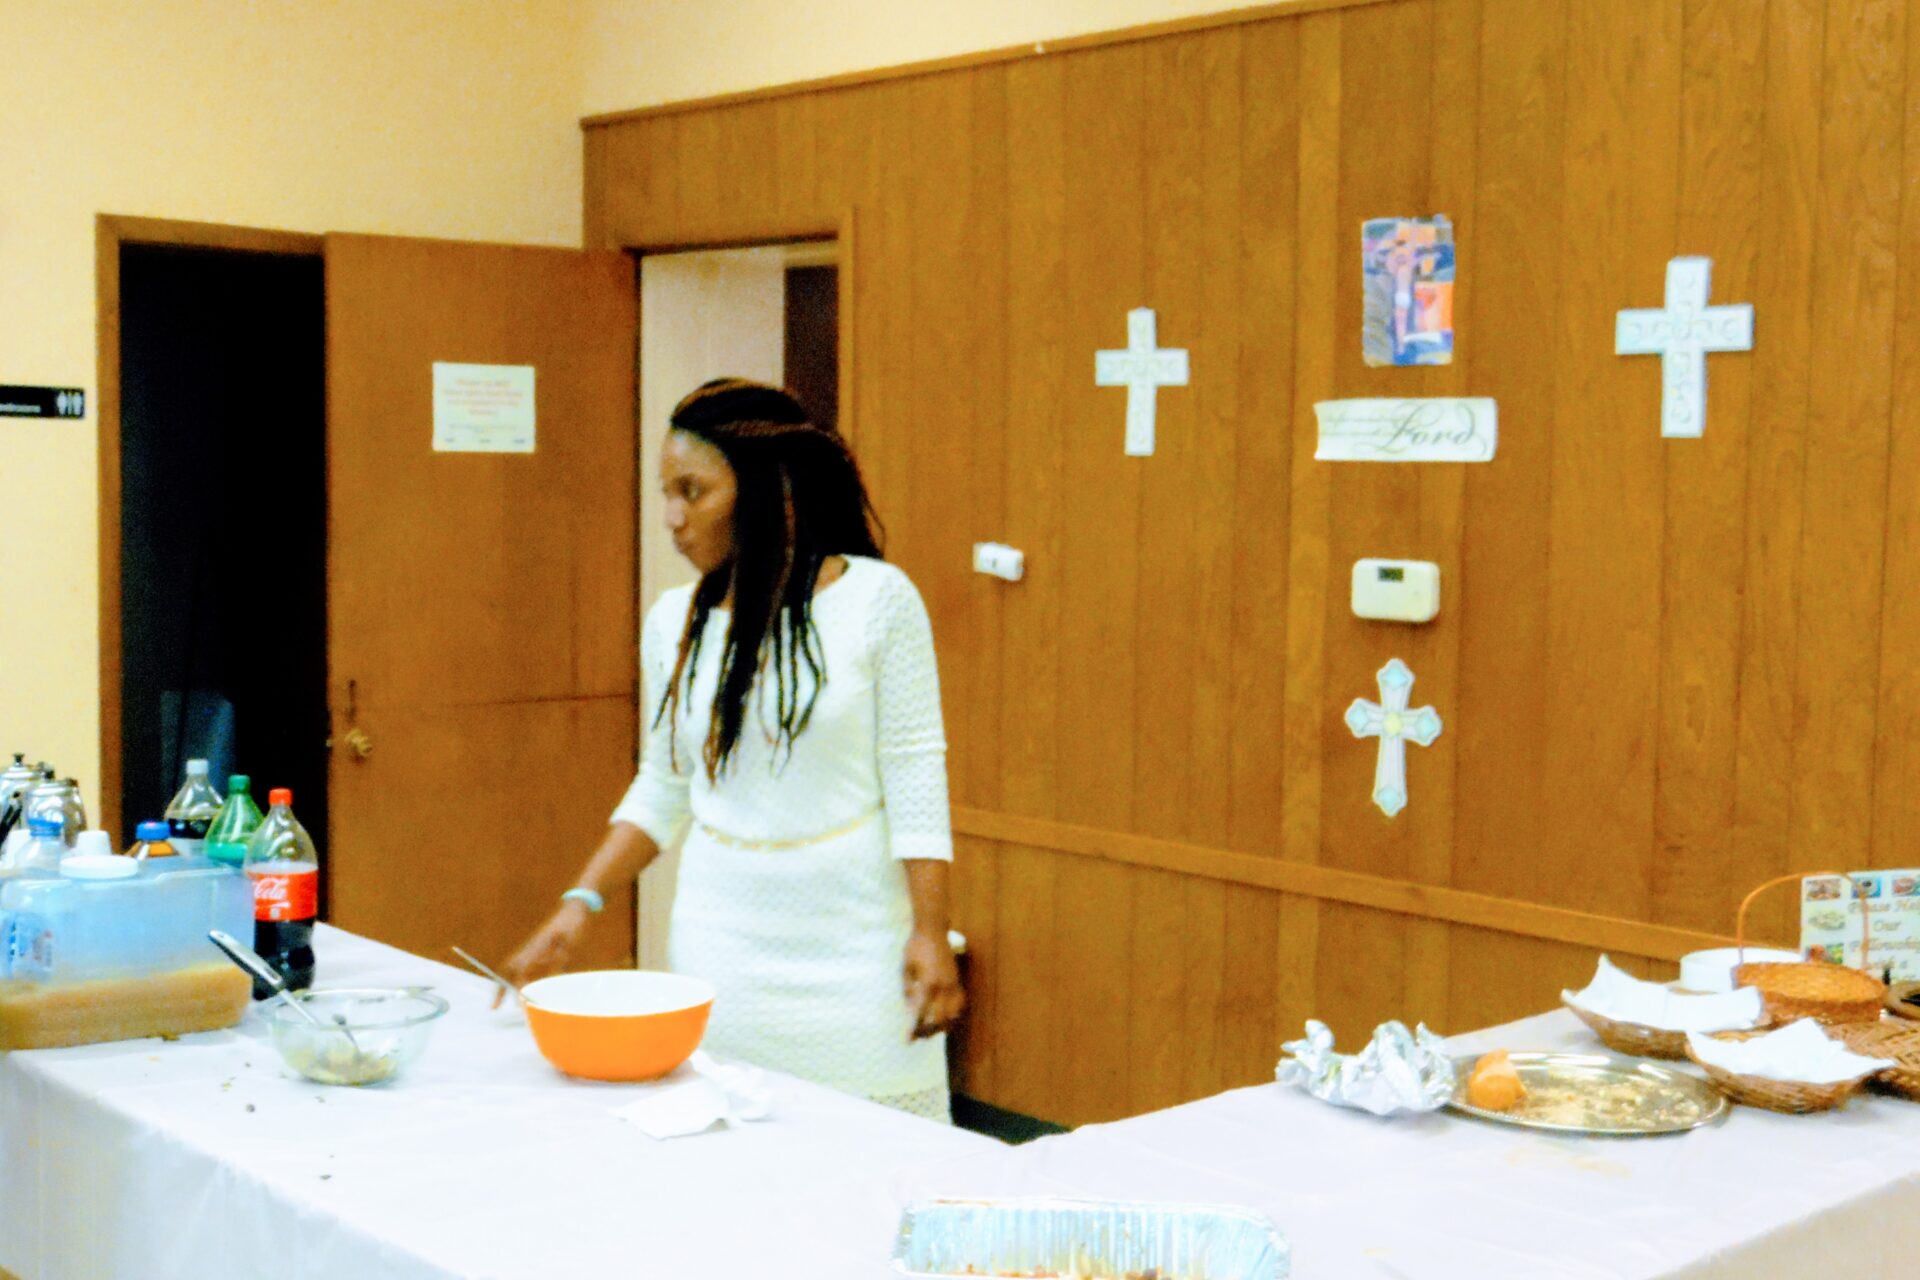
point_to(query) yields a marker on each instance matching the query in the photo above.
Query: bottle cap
(198, 767)
(280, 795)
(239, 782)
(92, 843)
(98, 866)
(153, 831)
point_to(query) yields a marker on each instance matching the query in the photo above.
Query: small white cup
(1711, 972)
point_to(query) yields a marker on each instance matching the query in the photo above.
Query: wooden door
(481, 606)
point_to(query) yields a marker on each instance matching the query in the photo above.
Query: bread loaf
(1494, 1085)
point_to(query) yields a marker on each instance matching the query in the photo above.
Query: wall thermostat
(1396, 590)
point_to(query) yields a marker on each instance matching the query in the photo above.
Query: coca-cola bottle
(285, 873)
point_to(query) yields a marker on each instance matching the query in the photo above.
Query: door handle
(359, 743)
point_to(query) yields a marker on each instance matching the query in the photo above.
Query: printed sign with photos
(1830, 908)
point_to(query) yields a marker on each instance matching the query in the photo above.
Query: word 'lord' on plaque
(1411, 430)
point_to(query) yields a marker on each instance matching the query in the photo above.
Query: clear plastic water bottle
(46, 844)
(285, 873)
(193, 810)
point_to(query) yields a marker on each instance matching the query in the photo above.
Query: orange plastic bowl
(618, 1024)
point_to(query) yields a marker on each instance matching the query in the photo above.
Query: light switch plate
(1396, 590)
(999, 561)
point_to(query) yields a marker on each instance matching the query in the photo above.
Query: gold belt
(768, 846)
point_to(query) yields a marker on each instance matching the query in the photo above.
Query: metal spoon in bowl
(266, 974)
(483, 969)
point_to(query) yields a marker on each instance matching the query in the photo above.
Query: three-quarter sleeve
(910, 738)
(657, 801)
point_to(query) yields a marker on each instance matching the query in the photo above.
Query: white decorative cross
(1394, 725)
(1681, 334)
(1141, 368)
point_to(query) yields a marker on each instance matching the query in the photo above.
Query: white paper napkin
(721, 1094)
(1800, 1052)
(1625, 998)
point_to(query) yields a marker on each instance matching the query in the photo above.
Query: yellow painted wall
(642, 52)
(452, 118)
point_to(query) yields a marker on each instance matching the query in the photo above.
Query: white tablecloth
(203, 1158)
(1442, 1197)
(146, 1160)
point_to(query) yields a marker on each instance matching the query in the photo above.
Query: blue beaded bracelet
(587, 898)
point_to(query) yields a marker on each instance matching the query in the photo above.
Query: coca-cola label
(288, 893)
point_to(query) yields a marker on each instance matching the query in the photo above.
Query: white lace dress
(791, 898)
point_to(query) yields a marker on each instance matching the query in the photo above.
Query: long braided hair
(798, 499)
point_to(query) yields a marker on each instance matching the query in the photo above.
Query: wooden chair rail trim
(984, 58)
(1427, 902)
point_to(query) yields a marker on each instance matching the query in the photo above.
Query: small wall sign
(42, 402)
(1412, 430)
(482, 408)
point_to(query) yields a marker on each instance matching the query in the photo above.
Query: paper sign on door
(482, 408)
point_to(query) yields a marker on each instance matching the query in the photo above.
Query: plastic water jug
(73, 928)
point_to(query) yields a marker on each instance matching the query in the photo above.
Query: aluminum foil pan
(1088, 1240)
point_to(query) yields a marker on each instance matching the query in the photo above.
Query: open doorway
(304, 540)
(767, 312)
(222, 528)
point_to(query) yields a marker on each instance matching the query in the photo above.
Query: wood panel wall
(1668, 668)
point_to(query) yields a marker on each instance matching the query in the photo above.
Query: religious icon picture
(1406, 267)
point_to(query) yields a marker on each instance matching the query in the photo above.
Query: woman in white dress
(793, 706)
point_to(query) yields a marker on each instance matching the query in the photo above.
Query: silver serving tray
(1096, 1238)
(1624, 1097)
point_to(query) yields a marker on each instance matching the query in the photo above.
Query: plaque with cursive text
(1416, 430)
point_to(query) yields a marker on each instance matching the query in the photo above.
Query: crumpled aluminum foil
(1399, 1070)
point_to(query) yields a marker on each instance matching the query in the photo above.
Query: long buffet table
(1757, 1196)
(203, 1157)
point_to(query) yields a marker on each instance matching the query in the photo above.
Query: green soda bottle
(234, 825)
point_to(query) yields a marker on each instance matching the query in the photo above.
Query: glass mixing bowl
(390, 1028)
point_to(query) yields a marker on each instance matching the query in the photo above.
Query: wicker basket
(1793, 1096)
(1632, 1038)
(1830, 994)
(1898, 1040)
(1897, 1003)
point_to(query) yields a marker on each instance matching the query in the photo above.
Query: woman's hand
(932, 979)
(548, 950)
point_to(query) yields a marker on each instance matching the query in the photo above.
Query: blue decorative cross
(1394, 725)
